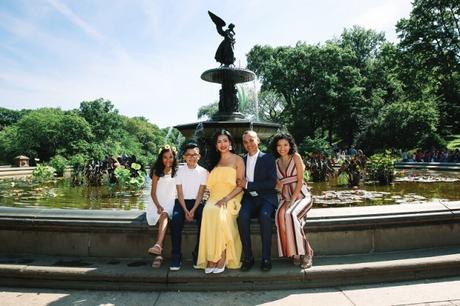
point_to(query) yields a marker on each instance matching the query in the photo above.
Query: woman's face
(168, 159)
(223, 143)
(283, 147)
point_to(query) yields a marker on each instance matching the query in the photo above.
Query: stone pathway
(428, 292)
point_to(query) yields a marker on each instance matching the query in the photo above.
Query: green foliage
(207, 111)
(329, 88)
(403, 125)
(380, 167)
(43, 173)
(58, 162)
(9, 116)
(430, 43)
(126, 180)
(454, 142)
(43, 133)
(319, 144)
(102, 117)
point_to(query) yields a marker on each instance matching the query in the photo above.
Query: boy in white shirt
(191, 184)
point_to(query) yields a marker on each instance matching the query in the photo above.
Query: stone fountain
(228, 116)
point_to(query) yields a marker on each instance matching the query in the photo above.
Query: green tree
(430, 38)
(404, 125)
(207, 111)
(45, 132)
(102, 117)
(9, 116)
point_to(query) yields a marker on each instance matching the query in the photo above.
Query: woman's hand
(160, 209)
(279, 186)
(222, 202)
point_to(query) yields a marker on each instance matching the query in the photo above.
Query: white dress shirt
(250, 166)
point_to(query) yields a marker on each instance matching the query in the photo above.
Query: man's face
(251, 143)
(191, 157)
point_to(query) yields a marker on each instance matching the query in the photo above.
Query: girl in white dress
(163, 194)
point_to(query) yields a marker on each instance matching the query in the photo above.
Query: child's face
(191, 157)
(168, 159)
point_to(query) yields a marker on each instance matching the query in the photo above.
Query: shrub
(380, 167)
(42, 172)
(59, 163)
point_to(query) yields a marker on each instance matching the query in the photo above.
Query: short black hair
(288, 137)
(191, 145)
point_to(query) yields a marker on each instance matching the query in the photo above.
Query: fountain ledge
(125, 234)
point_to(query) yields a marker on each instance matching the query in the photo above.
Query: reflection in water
(60, 194)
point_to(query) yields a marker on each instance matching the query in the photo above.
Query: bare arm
(199, 196)
(300, 167)
(153, 194)
(240, 169)
(180, 198)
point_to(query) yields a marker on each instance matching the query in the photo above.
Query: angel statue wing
(216, 19)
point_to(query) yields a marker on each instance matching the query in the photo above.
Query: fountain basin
(125, 234)
(228, 74)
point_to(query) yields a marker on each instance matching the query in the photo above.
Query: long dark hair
(288, 137)
(215, 155)
(158, 167)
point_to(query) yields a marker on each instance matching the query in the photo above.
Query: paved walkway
(434, 292)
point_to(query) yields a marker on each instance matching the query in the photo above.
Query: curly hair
(288, 137)
(215, 156)
(158, 167)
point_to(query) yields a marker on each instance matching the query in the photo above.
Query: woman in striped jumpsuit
(295, 202)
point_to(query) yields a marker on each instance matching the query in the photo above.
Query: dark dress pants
(177, 224)
(262, 208)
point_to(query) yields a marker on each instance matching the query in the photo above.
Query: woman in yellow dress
(220, 244)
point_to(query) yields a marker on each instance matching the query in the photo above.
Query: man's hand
(241, 183)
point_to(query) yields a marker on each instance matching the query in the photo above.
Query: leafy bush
(317, 144)
(380, 167)
(42, 172)
(133, 178)
(59, 163)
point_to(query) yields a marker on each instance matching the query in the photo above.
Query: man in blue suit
(259, 200)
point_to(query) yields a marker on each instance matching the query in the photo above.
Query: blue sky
(147, 56)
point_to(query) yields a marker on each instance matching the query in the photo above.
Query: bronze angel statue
(224, 53)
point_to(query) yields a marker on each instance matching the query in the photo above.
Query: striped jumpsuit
(290, 221)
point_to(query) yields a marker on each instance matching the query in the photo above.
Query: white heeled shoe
(209, 270)
(218, 270)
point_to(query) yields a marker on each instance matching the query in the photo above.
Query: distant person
(220, 244)
(191, 185)
(295, 202)
(163, 194)
(352, 152)
(259, 200)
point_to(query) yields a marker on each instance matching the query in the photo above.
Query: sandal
(157, 262)
(296, 260)
(155, 250)
(306, 262)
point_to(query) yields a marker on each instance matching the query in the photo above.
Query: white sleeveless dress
(166, 195)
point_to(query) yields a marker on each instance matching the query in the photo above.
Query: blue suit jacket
(264, 178)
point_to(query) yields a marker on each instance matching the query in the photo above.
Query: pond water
(59, 193)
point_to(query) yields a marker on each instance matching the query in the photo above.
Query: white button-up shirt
(250, 166)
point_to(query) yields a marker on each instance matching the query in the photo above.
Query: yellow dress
(219, 228)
